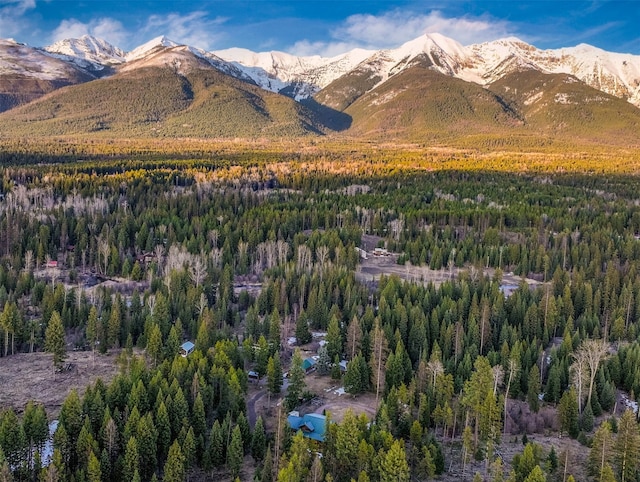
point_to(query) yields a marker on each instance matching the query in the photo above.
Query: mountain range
(430, 86)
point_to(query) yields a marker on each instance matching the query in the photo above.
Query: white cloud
(106, 28)
(393, 28)
(11, 13)
(325, 49)
(195, 29)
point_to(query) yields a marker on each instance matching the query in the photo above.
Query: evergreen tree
(235, 452)
(163, 427)
(258, 440)
(354, 338)
(497, 470)
(172, 344)
(334, 338)
(303, 335)
(324, 362)
(189, 448)
(113, 326)
(154, 345)
(267, 466)
(252, 322)
(394, 467)
(85, 445)
(146, 438)
(536, 475)
(92, 328)
(54, 340)
(627, 446)
(568, 413)
(131, 459)
(174, 468)
(274, 375)
(347, 439)
(71, 415)
(105, 465)
(601, 449)
(274, 330)
(10, 321)
(216, 445)
(245, 431)
(354, 378)
(199, 418)
(586, 419)
(336, 373)
(534, 389)
(36, 427)
(297, 383)
(552, 460)
(607, 474)
(12, 438)
(94, 474)
(262, 356)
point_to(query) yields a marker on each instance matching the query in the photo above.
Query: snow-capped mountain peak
(149, 47)
(300, 77)
(85, 50)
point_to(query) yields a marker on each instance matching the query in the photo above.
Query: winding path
(251, 406)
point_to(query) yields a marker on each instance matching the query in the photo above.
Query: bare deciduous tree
(595, 352)
(378, 357)
(28, 261)
(198, 270)
(512, 368)
(498, 377)
(103, 250)
(322, 255)
(283, 251)
(216, 256)
(434, 368)
(213, 238)
(579, 371)
(304, 259)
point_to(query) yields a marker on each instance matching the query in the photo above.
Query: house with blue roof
(312, 425)
(187, 348)
(308, 365)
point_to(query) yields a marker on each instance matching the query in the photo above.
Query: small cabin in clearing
(308, 365)
(186, 349)
(253, 376)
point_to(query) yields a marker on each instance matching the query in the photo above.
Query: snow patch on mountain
(279, 71)
(432, 50)
(21, 60)
(614, 73)
(150, 47)
(87, 52)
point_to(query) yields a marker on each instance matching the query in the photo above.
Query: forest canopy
(502, 302)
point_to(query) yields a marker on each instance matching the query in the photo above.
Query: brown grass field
(30, 376)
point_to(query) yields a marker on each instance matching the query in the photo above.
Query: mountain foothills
(428, 87)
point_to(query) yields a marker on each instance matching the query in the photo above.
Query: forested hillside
(493, 335)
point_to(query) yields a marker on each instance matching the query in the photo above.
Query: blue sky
(324, 27)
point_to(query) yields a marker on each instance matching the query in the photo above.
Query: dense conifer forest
(497, 341)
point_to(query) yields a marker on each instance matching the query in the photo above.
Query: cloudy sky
(325, 27)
